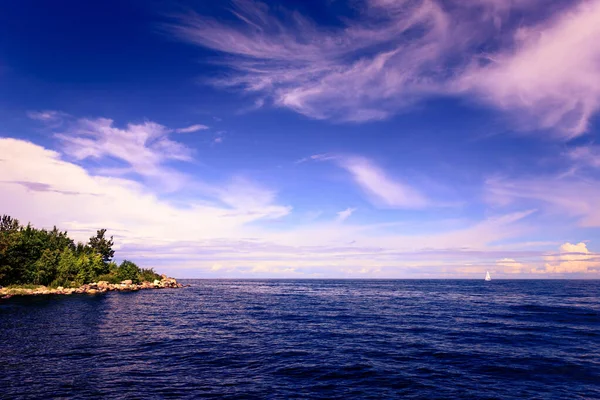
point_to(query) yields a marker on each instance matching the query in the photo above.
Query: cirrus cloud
(543, 68)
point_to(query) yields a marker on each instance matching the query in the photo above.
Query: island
(41, 262)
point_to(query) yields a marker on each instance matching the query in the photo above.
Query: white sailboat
(487, 276)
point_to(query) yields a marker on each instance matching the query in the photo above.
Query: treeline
(50, 258)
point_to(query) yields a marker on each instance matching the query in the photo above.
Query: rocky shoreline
(92, 288)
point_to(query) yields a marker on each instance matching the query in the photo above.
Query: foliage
(102, 246)
(128, 270)
(148, 275)
(30, 256)
(110, 278)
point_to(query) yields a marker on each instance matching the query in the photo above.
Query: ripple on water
(308, 339)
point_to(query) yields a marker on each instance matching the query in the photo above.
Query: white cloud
(511, 266)
(345, 214)
(237, 233)
(46, 116)
(39, 186)
(382, 189)
(568, 196)
(585, 156)
(316, 157)
(572, 258)
(394, 53)
(192, 128)
(304, 67)
(246, 196)
(552, 72)
(145, 148)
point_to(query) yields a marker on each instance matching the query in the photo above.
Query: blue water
(308, 339)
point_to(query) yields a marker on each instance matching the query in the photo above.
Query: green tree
(41, 257)
(9, 224)
(148, 275)
(128, 270)
(102, 246)
(46, 267)
(67, 268)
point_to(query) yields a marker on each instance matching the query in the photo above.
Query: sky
(313, 139)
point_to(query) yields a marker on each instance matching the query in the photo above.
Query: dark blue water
(308, 339)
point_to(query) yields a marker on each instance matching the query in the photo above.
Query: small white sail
(487, 276)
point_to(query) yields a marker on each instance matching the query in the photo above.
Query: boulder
(126, 282)
(104, 285)
(169, 283)
(92, 291)
(60, 288)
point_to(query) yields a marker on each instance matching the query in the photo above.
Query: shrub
(148, 275)
(128, 270)
(110, 278)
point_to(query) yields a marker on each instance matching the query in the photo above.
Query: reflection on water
(308, 339)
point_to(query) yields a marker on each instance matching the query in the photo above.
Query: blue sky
(310, 139)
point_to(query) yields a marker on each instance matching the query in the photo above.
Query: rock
(92, 291)
(60, 288)
(126, 282)
(169, 283)
(156, 282)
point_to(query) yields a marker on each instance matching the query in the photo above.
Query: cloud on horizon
(41, 187)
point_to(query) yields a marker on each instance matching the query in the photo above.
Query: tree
(67, 268)
(128, 270)
(9, 224)
(102, 246)
(46, 267)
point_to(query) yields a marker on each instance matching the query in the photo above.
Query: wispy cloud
(82, 202)
(568, 197)
(145, 148)
(345, 214)
(46, 116)
(246, 196)
(551, 71)
(511, 266)
(381, 188)
(396, 52)
(224, 240)
(192, 128)
(322, 72)
(585, 156)
(317, 157)
(377, 184)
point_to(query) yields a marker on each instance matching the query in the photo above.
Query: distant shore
(90, 288)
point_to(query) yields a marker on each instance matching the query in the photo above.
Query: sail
(487, 276)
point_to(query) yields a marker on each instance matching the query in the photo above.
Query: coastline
(91, 288)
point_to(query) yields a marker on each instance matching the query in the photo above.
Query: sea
(308, 339)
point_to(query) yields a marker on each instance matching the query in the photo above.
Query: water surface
(308, 339)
